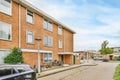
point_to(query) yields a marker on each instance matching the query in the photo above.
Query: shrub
(14, 57)
(117, 73)
(118, 58)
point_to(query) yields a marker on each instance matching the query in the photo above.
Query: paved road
(103, 71)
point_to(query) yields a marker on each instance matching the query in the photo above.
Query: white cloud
(69, 1)
(84, 14)
(56, 10)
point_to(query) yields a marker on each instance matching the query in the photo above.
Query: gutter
(40, 12)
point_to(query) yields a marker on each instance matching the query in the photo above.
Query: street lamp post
(38, 40)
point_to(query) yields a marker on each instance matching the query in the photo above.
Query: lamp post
(38, 40)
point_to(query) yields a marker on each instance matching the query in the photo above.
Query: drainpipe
(64, 40)
(19, 41)
(64, 44)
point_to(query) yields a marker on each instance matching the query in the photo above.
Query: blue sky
(93, 20)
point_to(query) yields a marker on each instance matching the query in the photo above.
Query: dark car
(17, 72)
(105, 60)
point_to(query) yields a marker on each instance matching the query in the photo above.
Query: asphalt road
(103, 71)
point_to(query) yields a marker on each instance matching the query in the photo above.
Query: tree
(14, 57)
(104, 49)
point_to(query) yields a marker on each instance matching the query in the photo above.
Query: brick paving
(61, 75)
(103, 71)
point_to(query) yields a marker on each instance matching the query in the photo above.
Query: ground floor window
(47, 57)
(3, 54)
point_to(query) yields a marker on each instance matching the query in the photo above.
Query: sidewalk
(57, 70)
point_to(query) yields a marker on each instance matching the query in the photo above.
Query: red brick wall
(39, 31)
(4, 44)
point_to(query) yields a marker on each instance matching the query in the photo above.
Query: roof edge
(40, 12)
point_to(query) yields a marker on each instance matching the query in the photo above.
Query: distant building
(116, 51)
(85, 55)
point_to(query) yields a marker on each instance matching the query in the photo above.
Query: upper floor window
(48, 41)
(48, 25)
(47, 57)
(5, 6)
(5, 31)
(30, 37)
(60, 43)
(30, 17)
(59, 30)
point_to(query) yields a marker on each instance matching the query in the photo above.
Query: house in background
(85, 55)
(116, 51)
(21, 23)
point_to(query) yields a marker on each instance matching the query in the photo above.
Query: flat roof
(40, 12)
(115, 47)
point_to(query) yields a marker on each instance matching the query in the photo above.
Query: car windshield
(23, 68)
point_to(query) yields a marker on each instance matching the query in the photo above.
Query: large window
(59, 30)
(3, 54)
(47, 57)
(5, 6)
(5, 31)
(48, 41)
(60, 43)
(30, 17)
(30, 37)
(48, 25)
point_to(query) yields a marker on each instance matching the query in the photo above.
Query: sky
(93, 20)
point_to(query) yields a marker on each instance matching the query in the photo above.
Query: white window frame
(5, 11)
(48, 25)
(2, 23)
(27, 31)
(60, 43)
(48, 59)
(60, 30)
(49, 41)
(31, 13)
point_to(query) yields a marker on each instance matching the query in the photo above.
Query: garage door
(3, 54)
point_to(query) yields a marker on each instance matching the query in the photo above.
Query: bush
(118, 58)
(117, 73)
(14, 57)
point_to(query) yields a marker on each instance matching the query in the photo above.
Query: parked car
(100, 59)
(17, 72)
(105, 60)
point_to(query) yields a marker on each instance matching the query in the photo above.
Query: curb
(65, 70)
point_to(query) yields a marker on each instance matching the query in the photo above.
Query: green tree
(105, 49)
(14, 57)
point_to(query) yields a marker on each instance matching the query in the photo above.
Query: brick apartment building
(21, 23)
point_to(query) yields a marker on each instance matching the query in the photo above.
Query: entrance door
(74, 60)
(62, 58)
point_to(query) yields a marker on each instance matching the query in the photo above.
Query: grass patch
(117, 73)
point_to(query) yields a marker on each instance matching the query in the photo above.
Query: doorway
(74, 59)
(62, 58)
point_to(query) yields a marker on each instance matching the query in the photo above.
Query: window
(5, 71)
(5, 31)
(60, 43)
(48, 25)
(30, 18)
(30, 37)
(3, 54)
(59, 30)
(5, 6)
(47, 57)
(48, 41)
